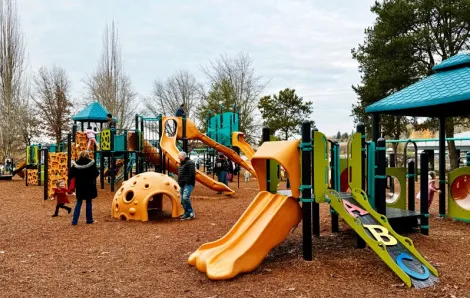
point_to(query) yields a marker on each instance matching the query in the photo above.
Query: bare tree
(167, 96)
(12, 56)
(237, 74)
(29, 121)
(51, 95)
(110, 86)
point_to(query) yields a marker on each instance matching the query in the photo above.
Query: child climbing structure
(270, 217)
(109, 150)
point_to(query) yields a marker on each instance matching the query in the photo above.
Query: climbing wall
(32, 177)
(80, 140)
(57, 169)
(80, 144)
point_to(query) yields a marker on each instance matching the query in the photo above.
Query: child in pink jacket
(91, 136)
(432, 188)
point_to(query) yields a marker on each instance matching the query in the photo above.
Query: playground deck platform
(6, 177)
(400, 220)
(403, 220)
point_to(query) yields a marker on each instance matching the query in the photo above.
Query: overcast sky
(300, 44)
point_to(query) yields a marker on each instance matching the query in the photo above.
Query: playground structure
(46, 164)
(223, 128)
(123, 152)
(9, 170)
(43, 165)
(157, 143)
(439, 95)
(114, 159)
(31, 167)
(458, 198)
(314, 168)
(272, 214)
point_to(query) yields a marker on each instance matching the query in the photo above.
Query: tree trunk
(451, 144)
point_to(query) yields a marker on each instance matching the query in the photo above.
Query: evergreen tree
(405, 42)
(284, 113)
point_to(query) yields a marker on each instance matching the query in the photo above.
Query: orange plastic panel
(287, 154)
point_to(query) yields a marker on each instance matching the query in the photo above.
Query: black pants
(61, 206)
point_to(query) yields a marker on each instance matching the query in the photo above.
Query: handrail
(427, 140)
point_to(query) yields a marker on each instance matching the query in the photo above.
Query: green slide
(396, 251)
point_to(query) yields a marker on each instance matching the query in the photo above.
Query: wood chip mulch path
(41, 256)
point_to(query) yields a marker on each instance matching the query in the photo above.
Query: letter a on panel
(351, 207)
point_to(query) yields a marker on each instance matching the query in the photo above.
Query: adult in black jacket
(84, 171)
(221, 168)
(186, 181)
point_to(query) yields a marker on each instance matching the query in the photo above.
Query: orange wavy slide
(238, 140)
(193, 133)
(266, 223)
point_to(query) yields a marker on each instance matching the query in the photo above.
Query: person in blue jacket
(180, 111)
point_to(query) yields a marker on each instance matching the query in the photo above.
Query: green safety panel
(220, 128)
(119, 142)
(32, 154)
(398, 196)
(53, 148)
(105, 140)
(321, 167)
(370, 166)
(343, 174)
(28, 154)
(458, 199)
(354, 161)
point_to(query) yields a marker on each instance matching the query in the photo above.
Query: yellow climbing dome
(143, 192)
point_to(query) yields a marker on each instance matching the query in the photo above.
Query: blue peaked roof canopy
(93, 112)
(445, 93)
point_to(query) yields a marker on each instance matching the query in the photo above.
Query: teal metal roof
(92, 112)
(445, 93)
(452, 62)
